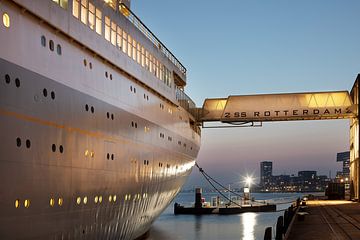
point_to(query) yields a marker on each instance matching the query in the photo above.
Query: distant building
(344, 157)
(307, 175)
(265, 173)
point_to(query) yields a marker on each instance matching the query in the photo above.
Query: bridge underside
(290, 107)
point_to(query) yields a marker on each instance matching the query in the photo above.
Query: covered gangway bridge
(252, 110)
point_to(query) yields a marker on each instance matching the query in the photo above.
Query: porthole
(86, 153)
(60, 201)
(53, 148)
(52, 95)
(61, 149)
(86, 107)
(108, 115)
(134, 90)
(135, 125)
(144, 96)
(17, 203)
(110, 198)
(108, 156)
(7, 78)
(106, 74)
(147, 98)
(132, 124)
(17, 82)
(90, 65)
(131, 88)
(114, 198)
(112, 116)
(28, 143)
(78, 200)
(112, 156)
(85, 200)
(52, 202)
(100, 199)
(18, 142)
(27, 203)
(6, 20)
(92, 154)
(96, 199)
(45, 93)
(110, 76)
(43, 41)
(58, 49)
(92, 109)
(85, 62)
(51, 45)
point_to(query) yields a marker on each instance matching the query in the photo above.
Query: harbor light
(248, 181)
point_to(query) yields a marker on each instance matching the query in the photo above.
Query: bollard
(279, 228)
(268, 232)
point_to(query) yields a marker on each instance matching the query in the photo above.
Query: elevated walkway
(247, 110)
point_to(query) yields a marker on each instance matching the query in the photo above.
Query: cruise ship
(97, 133)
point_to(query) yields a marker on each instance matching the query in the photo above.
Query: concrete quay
(327, 219)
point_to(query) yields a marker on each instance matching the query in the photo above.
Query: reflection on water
(249, 226)
(248, 221)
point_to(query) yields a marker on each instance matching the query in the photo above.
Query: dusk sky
(235, 47)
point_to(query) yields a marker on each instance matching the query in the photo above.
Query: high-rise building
(345, 158)
(265, 173)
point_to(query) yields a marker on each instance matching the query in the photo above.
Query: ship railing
(184, 100)
(146, 31)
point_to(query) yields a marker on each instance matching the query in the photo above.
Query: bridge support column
(354, 145)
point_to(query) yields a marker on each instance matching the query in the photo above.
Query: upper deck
(113, 32)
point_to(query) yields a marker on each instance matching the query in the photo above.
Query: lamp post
(248, 181)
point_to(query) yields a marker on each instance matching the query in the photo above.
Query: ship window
(142, 56)
(124, 43)
(60, 201)
(98, 21)
(147, 59)
(7, 78)
(75, 10)
(51, 45)
(138, 53)
(17, 82)
(58, 49)
(45, 92)
(106, 74)
(62, 3)
(108, 156)
(110, 76)
(112, 116)
(52, 202)
(96, 199)
(78, 200)
(17, 203)
(53, 148)
(18, 142)
(52, 95)
(85, 63)
(84, 10)
(28, 143)
(85, 200)
(107, 28)
(27, 203)
(92, 154)
(112, 156)
(114, 198)
(110, 198)
(108, 115)
(90, 65)
(61, 149)
(92, 109)
(134, 49)
(86, 153)
(119, 37)
(100, 199)
(91, 16)
(113, 33)
(6, 20)
(129, 45)
(43, 41)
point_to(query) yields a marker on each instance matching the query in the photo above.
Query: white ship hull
(83, 156)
